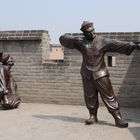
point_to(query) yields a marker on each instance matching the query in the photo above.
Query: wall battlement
(22, 35)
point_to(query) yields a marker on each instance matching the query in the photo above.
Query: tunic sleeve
(68, 41)
(113, 45)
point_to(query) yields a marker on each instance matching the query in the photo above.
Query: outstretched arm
(123, 47)
(68, 41)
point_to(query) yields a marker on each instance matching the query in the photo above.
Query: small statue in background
(8, 97)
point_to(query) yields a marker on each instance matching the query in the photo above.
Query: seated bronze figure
(8, 97)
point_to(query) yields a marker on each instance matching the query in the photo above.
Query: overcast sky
(63, 16)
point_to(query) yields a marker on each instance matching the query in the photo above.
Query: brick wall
(42, 80)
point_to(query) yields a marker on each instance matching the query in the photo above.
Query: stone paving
(65, 122)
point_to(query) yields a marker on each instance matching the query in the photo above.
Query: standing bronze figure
(8, 97)
(94, 71)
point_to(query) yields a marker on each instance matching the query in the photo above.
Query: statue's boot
(92, 120)
(120, 122)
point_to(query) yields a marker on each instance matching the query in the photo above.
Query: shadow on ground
(69, 119)
(133, 116)
(135, 131)
(61, 118)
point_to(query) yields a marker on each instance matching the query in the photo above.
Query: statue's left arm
(123, 47)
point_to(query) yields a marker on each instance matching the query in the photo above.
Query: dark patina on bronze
(8, 96)
(95, 75)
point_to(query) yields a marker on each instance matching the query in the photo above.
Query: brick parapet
(124, 36)
(22, 35)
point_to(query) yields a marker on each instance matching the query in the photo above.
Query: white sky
(62, 16)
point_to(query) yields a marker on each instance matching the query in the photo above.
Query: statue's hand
(138, 46)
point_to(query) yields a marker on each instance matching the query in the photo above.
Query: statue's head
(88, 30)
(7, 59)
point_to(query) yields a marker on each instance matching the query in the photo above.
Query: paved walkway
(64, 122)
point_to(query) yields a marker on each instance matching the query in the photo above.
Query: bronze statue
(8, 97)
(95, 76)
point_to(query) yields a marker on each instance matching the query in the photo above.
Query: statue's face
(89, 33)
(10, 60)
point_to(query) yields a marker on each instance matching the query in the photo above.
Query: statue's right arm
(68, 41)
